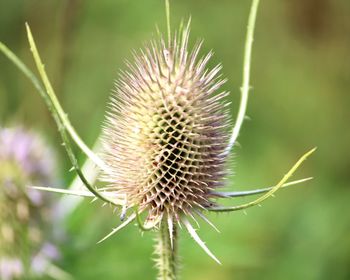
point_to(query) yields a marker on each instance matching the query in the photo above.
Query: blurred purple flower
(27, 150)
(47, 253)
(10, 268)
(25, 159)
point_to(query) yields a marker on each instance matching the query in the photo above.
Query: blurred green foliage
(300, 99)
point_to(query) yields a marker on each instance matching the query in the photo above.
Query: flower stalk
(64, 127)
(245, 76)
(167, 251)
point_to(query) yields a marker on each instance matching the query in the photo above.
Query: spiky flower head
(166, 131)
(166, 140)
(24, 160)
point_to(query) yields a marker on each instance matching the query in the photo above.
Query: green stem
(246, 76)
(52, 106)
(167, 254)
(51, 96)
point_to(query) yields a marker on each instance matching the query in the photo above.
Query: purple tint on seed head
(28, 151)
(35, 196)
(39, 264)
(10, 269)
(47, 254)
(30, 162)
(9, 187)
(50, 251)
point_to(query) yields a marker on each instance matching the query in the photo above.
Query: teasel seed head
(166, 131)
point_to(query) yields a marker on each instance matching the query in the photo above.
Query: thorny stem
(166, 261)
(246, 76)
(51, 106)
(56, 105)
(63, 124)
(67, 204)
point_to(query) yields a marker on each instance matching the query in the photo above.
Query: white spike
(171, 230)
(79, 193)
(206, 220)
(128, 221)
(63, 191)
(194, 219)
(196, 238)
(125, 207)
(179, 223)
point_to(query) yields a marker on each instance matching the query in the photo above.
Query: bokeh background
(300, 99)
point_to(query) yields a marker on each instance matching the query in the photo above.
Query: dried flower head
(166, 140)
(167, 131)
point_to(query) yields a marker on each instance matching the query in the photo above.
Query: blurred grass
(300, 99)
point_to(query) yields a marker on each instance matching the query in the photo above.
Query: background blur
(300, 99)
